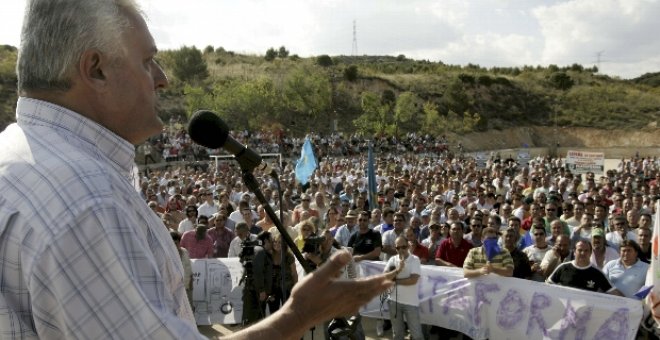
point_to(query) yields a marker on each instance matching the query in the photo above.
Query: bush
(351, 73)
(324, 60)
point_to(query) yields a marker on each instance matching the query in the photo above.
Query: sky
(620, 37)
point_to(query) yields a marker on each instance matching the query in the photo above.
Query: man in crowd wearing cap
(581, 274)
(424, 231)
(347, 230)
(601, 253)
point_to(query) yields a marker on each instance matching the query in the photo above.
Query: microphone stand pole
(251, 182)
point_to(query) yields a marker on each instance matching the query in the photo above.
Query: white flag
(653, 275)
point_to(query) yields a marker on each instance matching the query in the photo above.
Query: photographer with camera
(257, 278)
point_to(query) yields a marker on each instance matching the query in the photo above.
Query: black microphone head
(207, 129)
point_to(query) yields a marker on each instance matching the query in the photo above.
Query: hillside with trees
(385, 95)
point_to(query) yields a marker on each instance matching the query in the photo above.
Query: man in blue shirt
(627, 273)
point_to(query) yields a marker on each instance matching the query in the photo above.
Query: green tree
(282, 52)
(188, 65)
(307, 92)
(374, 117)
(561, 81)
(455, 97)
(433, 121)
(208, 49)
(8, 56)
(405, 109)
(324, 60)
(271, 54)
(248, 104)
(196, 98)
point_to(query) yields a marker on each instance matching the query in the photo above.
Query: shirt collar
(98, 139)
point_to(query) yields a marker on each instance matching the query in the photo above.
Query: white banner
(490, 307)
(580, 162)
(523, 158)
(217, 294)
(507, 308)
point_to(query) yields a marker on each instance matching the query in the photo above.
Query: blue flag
(306, 164)
(371, 180)
(491, 247)
(643, 292)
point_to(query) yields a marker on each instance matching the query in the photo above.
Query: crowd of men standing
(585, 231)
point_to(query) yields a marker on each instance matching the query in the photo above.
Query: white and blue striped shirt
(81, 254)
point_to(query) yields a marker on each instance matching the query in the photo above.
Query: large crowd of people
(174, 144)
(551, 225)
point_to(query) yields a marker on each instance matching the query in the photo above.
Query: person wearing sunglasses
(403, 299)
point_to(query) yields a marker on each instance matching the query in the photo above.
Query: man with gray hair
(81, 254)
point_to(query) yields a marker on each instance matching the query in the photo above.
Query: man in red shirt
(453, 250)
(197, 242)
(416, 248)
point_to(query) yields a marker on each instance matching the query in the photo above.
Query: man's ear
(93, 66)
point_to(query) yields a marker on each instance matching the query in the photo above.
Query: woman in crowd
(281, 285)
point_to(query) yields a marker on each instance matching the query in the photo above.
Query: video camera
(247, 255)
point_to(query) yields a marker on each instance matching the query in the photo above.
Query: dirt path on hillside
(546, 137)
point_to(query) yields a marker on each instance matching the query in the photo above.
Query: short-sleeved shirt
(521, 266)
(587, 278)
(421, 252)
(198, 249)
(477, 258)
(365, 243)
(454, 255)
(627, 280)
(221, 240)
(406, 295)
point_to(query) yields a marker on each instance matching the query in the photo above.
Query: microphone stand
(283, 267)
(251, 182)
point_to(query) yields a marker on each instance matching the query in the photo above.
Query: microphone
(208, 130)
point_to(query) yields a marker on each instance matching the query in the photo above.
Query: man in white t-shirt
(208, 208)
(403, 300)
